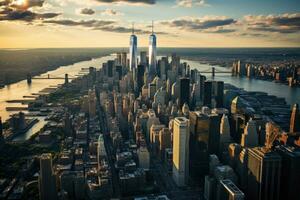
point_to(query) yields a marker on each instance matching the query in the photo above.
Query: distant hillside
(16, 64)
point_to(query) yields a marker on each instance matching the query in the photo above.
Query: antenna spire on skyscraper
(152, 27)
(132, 28)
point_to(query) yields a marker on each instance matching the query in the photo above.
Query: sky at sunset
(177, 23)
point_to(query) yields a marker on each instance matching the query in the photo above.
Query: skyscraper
(152, 54)
(264, 174)
(47, 179)
(295, 119)
(184, 91)
(207, 93)
(133, 51)
(225, 138)
(205, 138)
(143, 58)
(124, 59)
(181, 150)
(250, 136)
(164, 141)
(219, 94)
(110, 66)
(119, 58)
(290, 172)
(140, 77)
(201, 80)
(118, 71)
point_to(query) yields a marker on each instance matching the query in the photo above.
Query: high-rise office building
(205, 137)
(143, 58)
(144, 158)
(207, 93)
(264, 172)
(241, 68)
(201, 80)
(119, 58)
(47, 179)
(241, 168)
(225, 137)
(162, 68)
(250, 136)
(290, 172)
(133, 51)
(181, 150)
(164, 141)
(237, 125)
(124, 59)
(214, 133)
(110, 66)
(184, 91)
(152, 54)
(154, 138)
(151, 90)
(140, 77)
(101, 152)
(219, 93)
(295, 119)
(175, 91)
(118, 71)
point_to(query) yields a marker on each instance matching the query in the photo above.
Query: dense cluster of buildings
(156, 129)
(283, 73)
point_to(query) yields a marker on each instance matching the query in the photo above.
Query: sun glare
(20, 2)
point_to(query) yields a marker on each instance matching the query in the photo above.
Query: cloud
(190, 3)
(87, 11)
(286, 23)
(24, 15)
(25, 4)
(249, 34)
(121, 29)
(205, 24)
(19, 11)
(83, 23)
(5, 2)
(111, 12)
(102, 25)
(222, 31)
(149, 2)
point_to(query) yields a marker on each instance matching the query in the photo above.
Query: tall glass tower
(152, 54)
(133, 51)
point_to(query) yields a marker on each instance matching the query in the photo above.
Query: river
(21, 88)
(291, 94)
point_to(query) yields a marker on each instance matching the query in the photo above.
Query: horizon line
(180, 47)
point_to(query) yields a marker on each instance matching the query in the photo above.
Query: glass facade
(133, 52)
(152, 55)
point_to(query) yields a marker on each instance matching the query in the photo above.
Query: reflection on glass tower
(152, 54)
(133, 51)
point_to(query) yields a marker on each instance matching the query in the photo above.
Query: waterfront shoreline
(47, 69)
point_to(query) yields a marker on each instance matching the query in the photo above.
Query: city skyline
(178, 23)
(144, 123)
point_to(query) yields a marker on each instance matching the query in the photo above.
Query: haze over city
(179, 23)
